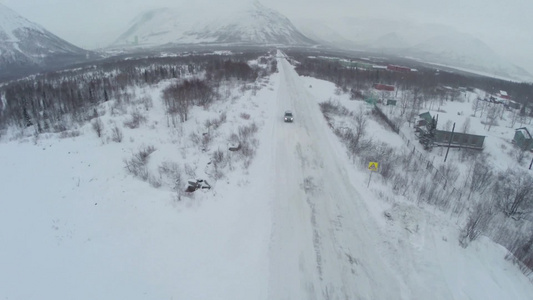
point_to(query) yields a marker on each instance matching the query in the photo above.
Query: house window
(456, 138)
(445, 137)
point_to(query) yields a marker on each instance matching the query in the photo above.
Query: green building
(460, 140)
(522, 138)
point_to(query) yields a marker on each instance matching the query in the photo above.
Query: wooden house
(522, 138)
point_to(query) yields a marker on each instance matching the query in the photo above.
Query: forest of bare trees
(423, 83)
(52, 102)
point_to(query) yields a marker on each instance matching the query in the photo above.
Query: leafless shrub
(480, 177)
(69, 134)
(378, 152)
(248, 143)
(469, 154)
(514, 189)
(521, 253)
(335, 108)
(98, 126)
(215, 123)
(245, 116)
(234, 139)
(248, 152)
(147, 103)
(350, 139)
(202, 141)
(190, 171)
(171, 174)
(477, 222)
(136, 119)
(466, 125)
(137, 164)
(60, 126)
(116, 134)
(222, 118)
(195, 138)
(518, 154)
(436, 195)
(400, 183)
(492, 117)
(181, 96)
(246, 132)
(118, 108)
(154, 181)
(449, 173)
(448, 125)
(219, 161)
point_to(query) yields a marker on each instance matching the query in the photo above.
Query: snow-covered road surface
(323, 239)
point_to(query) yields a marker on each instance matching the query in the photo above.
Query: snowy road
(298, 223)
(323, 240)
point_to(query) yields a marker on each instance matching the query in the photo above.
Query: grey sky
(505, 25)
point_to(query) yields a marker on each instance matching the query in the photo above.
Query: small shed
(391, 102)
(425, 118)
(384, 87)
(459, 140)
(522, 138)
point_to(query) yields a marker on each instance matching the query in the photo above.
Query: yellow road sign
(373, 166)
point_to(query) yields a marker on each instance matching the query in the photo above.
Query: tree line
(52, 100)
(425, 80)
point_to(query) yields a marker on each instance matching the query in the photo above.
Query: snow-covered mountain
(26, 46)
(252, 23)
(466, 52)
(431, 43)
(323, 34)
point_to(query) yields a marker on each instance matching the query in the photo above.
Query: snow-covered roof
(525, 132)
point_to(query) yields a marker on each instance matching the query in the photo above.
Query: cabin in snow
(522, 138)
(397, 68)
(428, 134)
(384, 87)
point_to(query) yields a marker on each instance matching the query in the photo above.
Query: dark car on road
(288, 117)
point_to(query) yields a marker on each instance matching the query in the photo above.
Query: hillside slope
(250, 24)
(425, 42)
(26, 47)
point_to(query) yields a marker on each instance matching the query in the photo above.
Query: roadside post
(373, 167)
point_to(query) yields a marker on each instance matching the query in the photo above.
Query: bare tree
(476, 105)
(514, 189)
(360, 122)
(405, 103)
(492, 117)
(411, 115)
(116, 134)
(219, 161)
(477, 222)
(479, 178)
(448, 125)
(466, 125)
(98, 126)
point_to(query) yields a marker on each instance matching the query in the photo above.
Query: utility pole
(449, 143)
(531, 164)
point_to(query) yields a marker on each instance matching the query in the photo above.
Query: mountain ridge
(431, 43)
(26, 47)
(251, 24)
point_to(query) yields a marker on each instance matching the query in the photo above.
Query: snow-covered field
(299, 223)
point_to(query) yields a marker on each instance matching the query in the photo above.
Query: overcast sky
(505, 25)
